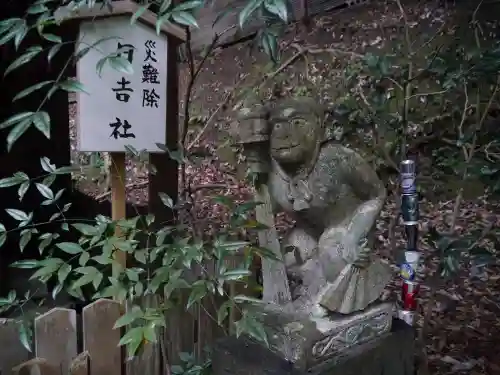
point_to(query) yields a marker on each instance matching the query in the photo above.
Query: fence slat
(180, 331)
(36, 366)
(100, 340)
(12, 352)
(55, 337)
(147, 361)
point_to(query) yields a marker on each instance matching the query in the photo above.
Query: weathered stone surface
(335, 198)
(392, 354)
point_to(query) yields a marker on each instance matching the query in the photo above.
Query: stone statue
(335, 198)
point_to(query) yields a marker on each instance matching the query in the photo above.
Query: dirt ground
(463, 335)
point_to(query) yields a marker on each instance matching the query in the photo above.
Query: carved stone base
(390, 354)
(306, 340)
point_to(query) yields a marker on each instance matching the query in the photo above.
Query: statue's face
(293, 137)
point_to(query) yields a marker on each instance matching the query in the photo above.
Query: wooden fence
(69, 343)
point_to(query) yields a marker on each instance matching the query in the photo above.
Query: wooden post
(118, 201)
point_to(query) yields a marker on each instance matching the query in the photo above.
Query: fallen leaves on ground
(464, 330)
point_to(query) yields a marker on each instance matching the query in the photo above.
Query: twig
(426, 94)
(194, 189)
(376, 136)
(193, 75)
(334, 51)
(407, 84)
(213, 114)
(301, 50)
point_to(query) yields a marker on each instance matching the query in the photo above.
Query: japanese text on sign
(122, 109)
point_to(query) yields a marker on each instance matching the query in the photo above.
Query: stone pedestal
(391, 354)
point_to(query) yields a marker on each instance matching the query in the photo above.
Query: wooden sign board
(121, 107)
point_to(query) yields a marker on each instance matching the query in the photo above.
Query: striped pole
(410, 214)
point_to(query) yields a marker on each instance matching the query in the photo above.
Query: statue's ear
(252, 126)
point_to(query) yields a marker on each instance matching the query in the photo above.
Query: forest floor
(463, 334)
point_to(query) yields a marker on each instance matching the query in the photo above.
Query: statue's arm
(367, 186)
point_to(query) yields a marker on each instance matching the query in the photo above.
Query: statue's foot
(355, 288)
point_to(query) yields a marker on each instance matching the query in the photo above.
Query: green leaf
(27, 221)
(44, 19)
(167, 201)
(247, 11)
(242, 298)
(59, 194)
(3, 238)
(46, 165)
(20, 34)
(96, 282)
(45, 191)
(133, 334)
(165, 4)
(63, 273)
(188, 5)
(25, 335)
(22, 176)
(53, 51)
(7, 24)
(121, 64)
(23, 59)
(130, 317)
(269, 43)
(25, 239)
(84, 258)
(31, 89)
(223, 311)
(37, 8)
(84, 280)
(197, 293)
(72, 85)
(185, 18)
(150, 333)
(138, 13)
(231, 246)
(14, 30)
(177, 370)
(132, 348)
(264, 252)
(16, 119)
(47, 268)
(26, 264)
(70, 247)
(186, 357)
(277, 7)
(252, 327)
(17, 214)
(52, 38)
(41, 120)
(85, 229)
(49, 180)
(10, 181)
(45, 240)
(57, 289)
(235, 274)
(18, 131)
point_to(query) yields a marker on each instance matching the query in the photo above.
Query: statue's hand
(363, 259)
